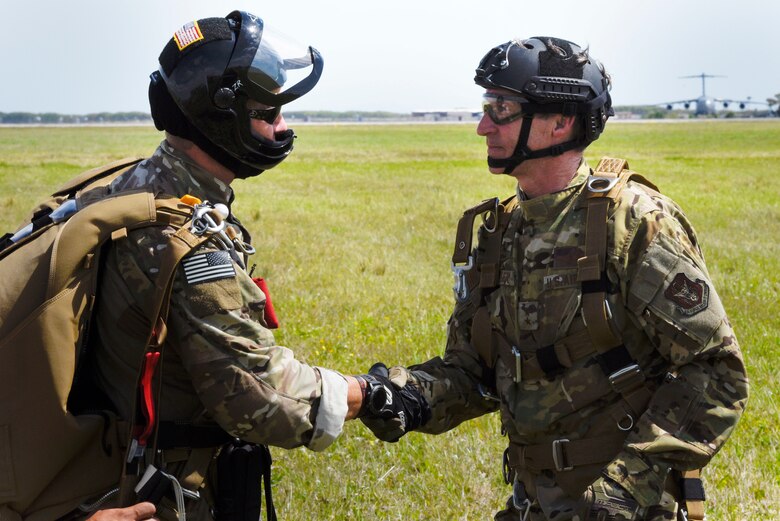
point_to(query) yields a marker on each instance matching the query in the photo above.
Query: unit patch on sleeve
(690, 296)
(205, 267)
(187, 35)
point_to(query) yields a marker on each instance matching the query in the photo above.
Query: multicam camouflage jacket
(671, 322)
(221, 363)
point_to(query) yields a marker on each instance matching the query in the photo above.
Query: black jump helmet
(553, 76)
(208, 72)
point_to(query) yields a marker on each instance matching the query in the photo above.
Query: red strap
(150, 365)
(268, 313)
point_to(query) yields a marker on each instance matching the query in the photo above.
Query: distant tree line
(54, 118)
(44, 118)
(349, 115)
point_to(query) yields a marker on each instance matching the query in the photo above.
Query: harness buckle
(624, 379)
(491, 216)
(600, 184)
(560, 458)
(461, 288)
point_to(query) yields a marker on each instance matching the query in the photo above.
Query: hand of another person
(137, 512)
(390, 411)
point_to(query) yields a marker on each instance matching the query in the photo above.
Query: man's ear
(564, 123)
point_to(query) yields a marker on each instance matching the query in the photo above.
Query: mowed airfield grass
(354, 233)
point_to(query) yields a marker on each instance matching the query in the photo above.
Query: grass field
(354, 233)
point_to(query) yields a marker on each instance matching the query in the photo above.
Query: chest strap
(543, 362)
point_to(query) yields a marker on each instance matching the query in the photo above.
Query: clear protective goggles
(502, 108)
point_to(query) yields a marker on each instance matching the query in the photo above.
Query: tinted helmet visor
(272, 68)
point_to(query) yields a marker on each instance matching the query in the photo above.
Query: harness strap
(483, 338)
(196, 468)
(487, 274)
(625, 376)
(562, 454)
(465, 231)
(489, 265)
(181, 243)
(545, 361)
(176, 435)
(692, 492)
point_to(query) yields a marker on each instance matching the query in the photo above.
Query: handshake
(388, 410)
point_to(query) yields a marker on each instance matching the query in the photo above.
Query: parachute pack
(52, 460)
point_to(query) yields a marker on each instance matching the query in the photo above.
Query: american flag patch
(204, 267)
(188, 34)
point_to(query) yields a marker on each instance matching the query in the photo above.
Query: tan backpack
(51, 460)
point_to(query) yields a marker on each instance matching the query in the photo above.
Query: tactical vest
(52, 460)
(476, 277)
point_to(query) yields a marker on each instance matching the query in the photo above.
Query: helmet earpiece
(224, 98)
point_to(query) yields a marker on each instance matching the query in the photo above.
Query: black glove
(389, 411)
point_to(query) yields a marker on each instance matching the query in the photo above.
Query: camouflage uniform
(221, 362)
(683, 343)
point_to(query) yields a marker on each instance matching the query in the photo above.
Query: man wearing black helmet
(585, 314)
(225, 386)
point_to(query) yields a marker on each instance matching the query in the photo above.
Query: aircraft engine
(687, 105)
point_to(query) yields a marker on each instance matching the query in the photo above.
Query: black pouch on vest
(241, 469)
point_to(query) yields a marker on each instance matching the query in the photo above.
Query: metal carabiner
(461, 288)
(520, 499)
(203, 218)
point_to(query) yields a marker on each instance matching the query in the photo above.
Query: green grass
(354, 233)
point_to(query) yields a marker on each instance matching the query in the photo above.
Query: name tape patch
(205, 267)
(187, 35)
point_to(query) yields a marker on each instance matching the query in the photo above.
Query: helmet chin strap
(523, 153)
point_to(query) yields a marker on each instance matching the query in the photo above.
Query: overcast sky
(82, 56)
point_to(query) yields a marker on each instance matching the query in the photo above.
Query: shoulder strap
(470, 283)
(624, 374)
(180, 244)
(82, 180)
(496, 219)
